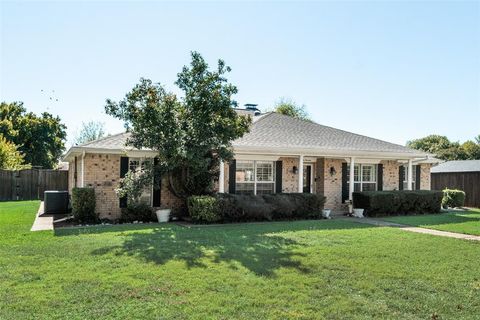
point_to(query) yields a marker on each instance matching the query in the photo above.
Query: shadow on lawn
(443, 218)
(260, 248)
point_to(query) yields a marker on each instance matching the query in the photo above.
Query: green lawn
(288, 270)
(467, 222)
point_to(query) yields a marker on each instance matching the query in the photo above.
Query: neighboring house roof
(275, 133)
(457, 166)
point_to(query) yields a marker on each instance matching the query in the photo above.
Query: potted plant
(357, 212)
(326, 213)
(163, 214)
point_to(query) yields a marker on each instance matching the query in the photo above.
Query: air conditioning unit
(55, 202)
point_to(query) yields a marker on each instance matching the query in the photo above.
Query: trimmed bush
(137, 211)
(203, 209)
(378, 203)
(236, 208)
(83, 205)
(453, 198)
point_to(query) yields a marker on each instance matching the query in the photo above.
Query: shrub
(398, 202)
(137, 211)
(236, 208)
(252, 208)
(453, 198)
(203, 209)
(83, 205)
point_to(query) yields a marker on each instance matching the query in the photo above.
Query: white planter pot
(163, 215)
(358, 213)
(326, 213)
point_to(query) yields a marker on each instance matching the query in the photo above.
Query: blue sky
(390, 70)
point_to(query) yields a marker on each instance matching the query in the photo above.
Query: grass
(467, 222)
(283, 270)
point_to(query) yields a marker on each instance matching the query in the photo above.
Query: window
(405, 177)
(255, 177)
(364, 177)
(138, 165)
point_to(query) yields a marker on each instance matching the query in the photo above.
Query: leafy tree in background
(444, 149)
(288, 107)
(10, 157)
(191, 134)
(92, 130)
(471, 150)
(41, 139)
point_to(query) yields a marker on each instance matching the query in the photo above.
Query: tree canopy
(10, 157)
(444, 149)
(291, 108)
(41, 139)
(192, 133)
(90, 131)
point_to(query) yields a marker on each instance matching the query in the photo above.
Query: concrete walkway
(42, 222)
(381, 223)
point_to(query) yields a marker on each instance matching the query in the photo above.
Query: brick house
(279, 154)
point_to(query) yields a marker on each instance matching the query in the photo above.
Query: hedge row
(402, 202)
(235, 208)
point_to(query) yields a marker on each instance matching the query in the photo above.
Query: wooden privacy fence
(466, 181)
(30, 184)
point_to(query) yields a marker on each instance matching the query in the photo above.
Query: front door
(307, 178)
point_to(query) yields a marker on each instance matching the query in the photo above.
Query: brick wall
(102, 172)
(289, 179)
(425, 176)
(333, 184)
(390, 175)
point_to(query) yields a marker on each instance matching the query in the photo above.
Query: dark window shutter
(157, 187)
(401, 177)
(417, 177)
(231, 176)
(380, 177)
(278, 177)
(344, 182)
(123, 172)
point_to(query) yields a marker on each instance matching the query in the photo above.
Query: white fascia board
(75, 151)
(312, 152)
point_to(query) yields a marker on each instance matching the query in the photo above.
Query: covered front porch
(335, 177)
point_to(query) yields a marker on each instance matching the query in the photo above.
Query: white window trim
(140, 161)
(360, 173)
(255, 181)
(405, 177)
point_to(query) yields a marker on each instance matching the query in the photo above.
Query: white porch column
(82, 180)
(351, 185)
(300, 174)
(410, 175)
(221, 179)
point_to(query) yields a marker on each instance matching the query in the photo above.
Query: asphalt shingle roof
(276, 130)
(116, 141)
(273, 130)
(457, 166)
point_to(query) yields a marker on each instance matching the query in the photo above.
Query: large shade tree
(445, 149)
(192, 134)
(290, 108)
(10, 157)
(41, 139)
(90, 131)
